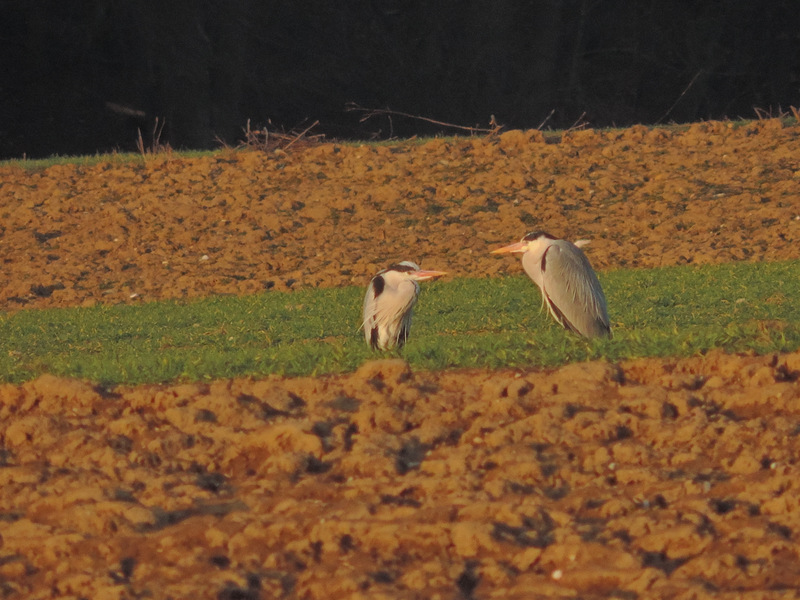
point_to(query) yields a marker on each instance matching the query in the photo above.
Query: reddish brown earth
(646, 479)
(331, 215)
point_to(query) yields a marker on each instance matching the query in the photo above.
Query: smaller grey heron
(389, 303)
(568, 283)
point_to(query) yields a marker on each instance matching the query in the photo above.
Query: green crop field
(675, 311)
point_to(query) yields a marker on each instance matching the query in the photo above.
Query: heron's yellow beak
(515, 247)
(425, 275)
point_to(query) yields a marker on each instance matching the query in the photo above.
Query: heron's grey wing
(405, 327)
(573, 291)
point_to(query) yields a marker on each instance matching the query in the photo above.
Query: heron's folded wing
(574, 290)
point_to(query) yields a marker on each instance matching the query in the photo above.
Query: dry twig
(547, 118)
(683, 93)
(260, 139)
(155, 144)
(579, 123)
(762, 114)
(368, 113)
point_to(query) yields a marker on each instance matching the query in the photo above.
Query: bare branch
(260, 139)
(368, 113)
(683, 93)
(546, 119)
(301, 134)
(579, 122)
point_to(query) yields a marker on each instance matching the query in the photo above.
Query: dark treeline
(84, 76)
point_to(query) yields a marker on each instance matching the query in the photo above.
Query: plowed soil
(645, 479)
(332, 215)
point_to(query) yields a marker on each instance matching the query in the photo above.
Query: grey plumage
(389, 303)
(569, 285)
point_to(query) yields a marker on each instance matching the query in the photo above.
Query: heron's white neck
(532, 259)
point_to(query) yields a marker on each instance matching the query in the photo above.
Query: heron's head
(526, 243)
(411, 270)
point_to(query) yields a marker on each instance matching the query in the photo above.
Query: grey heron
(568, 283)
(389, 302)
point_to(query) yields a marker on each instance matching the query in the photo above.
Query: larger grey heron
(389, 302)
(568, 284)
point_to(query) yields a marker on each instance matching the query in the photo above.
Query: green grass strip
(675, 311)
(35, 165)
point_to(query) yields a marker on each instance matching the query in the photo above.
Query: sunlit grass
(117, 158)
(675, 311)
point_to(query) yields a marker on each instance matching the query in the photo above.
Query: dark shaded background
(83, 76)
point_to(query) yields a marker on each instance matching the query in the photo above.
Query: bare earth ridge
(331, 215)
(645, 479)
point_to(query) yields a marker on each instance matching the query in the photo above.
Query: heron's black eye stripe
(378, 283)
(535, 235)
(401, 268)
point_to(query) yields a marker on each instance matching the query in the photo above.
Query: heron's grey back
(572, 287)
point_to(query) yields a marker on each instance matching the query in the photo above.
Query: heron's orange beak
(515, 247)
(425, 275)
